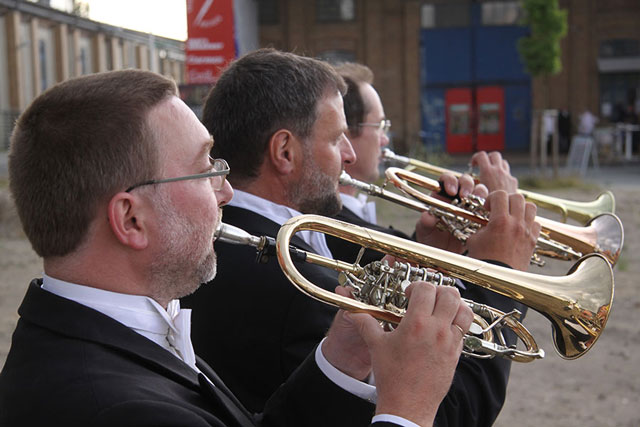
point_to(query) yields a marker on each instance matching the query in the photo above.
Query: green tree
(540, 51)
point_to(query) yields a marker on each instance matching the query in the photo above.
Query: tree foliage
(540, 51)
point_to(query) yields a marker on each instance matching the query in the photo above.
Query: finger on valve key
(494, 172)
(414, 363)
(507, 237)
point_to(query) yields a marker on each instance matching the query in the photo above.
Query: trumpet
(604, 234)
(583, 212)
(578, 313)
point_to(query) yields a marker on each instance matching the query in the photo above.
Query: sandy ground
(602, 388)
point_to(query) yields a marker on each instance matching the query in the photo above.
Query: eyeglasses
(384, 125)
(220, 170)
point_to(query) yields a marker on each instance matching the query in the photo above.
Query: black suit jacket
(479, 386)
(347, 251)
(268, 327)
(250, 323)
(73, 366)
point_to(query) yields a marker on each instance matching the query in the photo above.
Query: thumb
(368, 327)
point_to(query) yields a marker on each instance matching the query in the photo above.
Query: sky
(167, 18)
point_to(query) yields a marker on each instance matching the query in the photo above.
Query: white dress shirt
(360, 206)
(171, 328)
(279, 214)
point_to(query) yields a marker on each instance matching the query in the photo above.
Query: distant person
(587, 123)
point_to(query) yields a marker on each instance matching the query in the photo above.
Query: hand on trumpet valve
(511, 234)
(494, 171)
(344, 347)
(427, 229)
(414, 363)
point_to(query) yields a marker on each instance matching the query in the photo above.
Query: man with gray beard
(279, 120)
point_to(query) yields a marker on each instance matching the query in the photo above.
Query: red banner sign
(211, 41)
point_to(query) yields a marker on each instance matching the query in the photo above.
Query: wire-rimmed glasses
(220, 170)
(384, 125)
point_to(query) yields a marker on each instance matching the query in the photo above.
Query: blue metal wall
(471, 57)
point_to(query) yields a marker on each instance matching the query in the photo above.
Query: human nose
(225, 194)
(347, 154)
(384, 139)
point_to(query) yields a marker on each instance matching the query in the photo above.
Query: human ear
(284, 151)
(127, 220)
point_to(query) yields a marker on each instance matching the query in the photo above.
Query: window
(47, 57)
(337, 56)
(445, 15)
(268, 12)
(489, 121)
(335, 10)
(501, 13)
(42, 52)
(619, 48)
(84, 63)
(459, 119)
(85, 55)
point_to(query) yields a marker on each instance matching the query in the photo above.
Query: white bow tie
(179, 335)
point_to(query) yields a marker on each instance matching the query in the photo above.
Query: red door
(458, 120)
(490, 113)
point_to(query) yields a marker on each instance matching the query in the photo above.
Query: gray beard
(315, 193)
(182, 263)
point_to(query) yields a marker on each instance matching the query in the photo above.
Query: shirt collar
(140, 313)
(360, 206)
(279, 214)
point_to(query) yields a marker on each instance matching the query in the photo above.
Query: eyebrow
(206, 149)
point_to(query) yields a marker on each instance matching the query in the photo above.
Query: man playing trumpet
(278, 119)
(116, 190)
(367, 131)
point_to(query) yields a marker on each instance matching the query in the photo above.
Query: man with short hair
(278, 119)
(116, 190)
(368, 130)
(479, 389)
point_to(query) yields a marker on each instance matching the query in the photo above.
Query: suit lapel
(213, 387)
(78, 321)
(83, 323)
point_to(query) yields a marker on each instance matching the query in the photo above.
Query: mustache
(218, 222)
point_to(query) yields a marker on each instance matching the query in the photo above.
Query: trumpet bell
(582, 212)
(609, 234)
(578, 322)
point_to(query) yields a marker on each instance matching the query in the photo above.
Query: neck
(106, 266)
(269, 188)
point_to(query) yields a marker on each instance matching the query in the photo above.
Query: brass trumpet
(578, 313)
(603, 234)
(577, 304)
(583, 212)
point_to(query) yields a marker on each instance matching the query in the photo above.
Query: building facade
(41, 45)
(448, 71)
